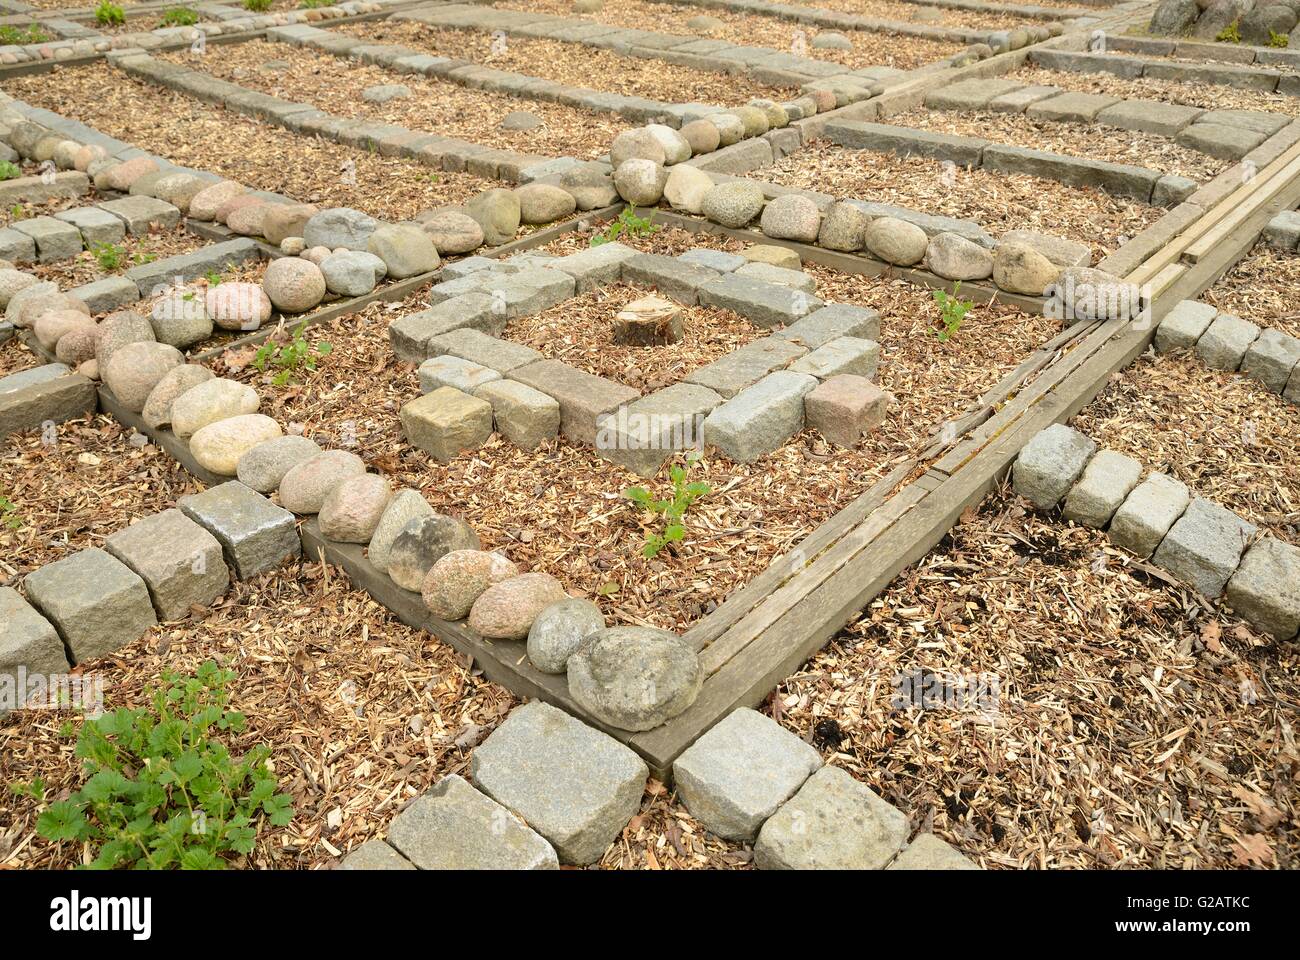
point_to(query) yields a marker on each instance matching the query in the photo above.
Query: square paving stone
(1107, 480)
(1050, 464)
(842, 355)
(596, 266)
(454, 827)
(764, 304)
(1266, 587)
(375, 855)
(1292, 391)
(1183, 325)
(645, 433)
(107, 294)
(1219, 140)
(179, 561)
(844, 408)
(745, 366)
(1271, 358)
(794, 279)
(524, 416)
(16, 247)
(29, 641)
(140, 213)
(574, 785)
(1144, 518)
(449, 371)
(447, 423)
(96, 602)
(928, 852)
(255, 534)
(96, 225)
(1018, 100)
(760, 418)
(55, 240)
(1283, 231)
(487, 351)
(1149, 116)
(1204, 546)
(736, 776)
(718, 260)
(831, 322)
(832, 823)
(969, 94)
(1071, 107)
(410, 335)
(678, 279)
(583, 397)
(1224, 344)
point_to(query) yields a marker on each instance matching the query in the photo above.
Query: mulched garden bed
(130, 251)
(580, 333)
(188, 132)
(869, 49)
(1135, 728)
(1264, 288)
(15, 356)
(74, 493)
(560, 509)
(996, 201)
(1210, 96)
(1091, 141)
(919, 14)
(1225, 436)
(448, 109)
(576, 64)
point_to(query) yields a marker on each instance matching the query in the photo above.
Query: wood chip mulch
(16, 356)
(1092, 141)
(576, 64)
(869, 49)
(1133, 725)
(1224, 435)
(1263, 287)
(1211, 96)
(998, 202)
(560, 508)
(580, 333)
(188, 132)
(135, 251)
(448, 109)
(92, 481)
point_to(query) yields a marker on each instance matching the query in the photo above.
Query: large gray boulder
(1174, 17)
(339, 227)
(635, 678)
(559, 631)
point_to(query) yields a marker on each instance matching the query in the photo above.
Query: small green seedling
(110, 256)
(9, 170)
(257, 6)
(627, 224)
(315, 4)
(291, 357)
(673, 510)
(109, 14)
(213, 277)
(1278, 39)
(1229, 34)
(17, 212)
(162, 789)
(9, 514)
(10, 34)
(179, 17)
(952, 311)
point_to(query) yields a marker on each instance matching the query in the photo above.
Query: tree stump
(649, 322)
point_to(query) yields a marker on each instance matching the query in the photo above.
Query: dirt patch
(996, 201)
(187, 132)
(1087, 140)
(580, 333)
(1222, 434)
(448, 109)
(1132, 726)
(1210, 96)
(576, 64)
(1264, 288)
(868, 49)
